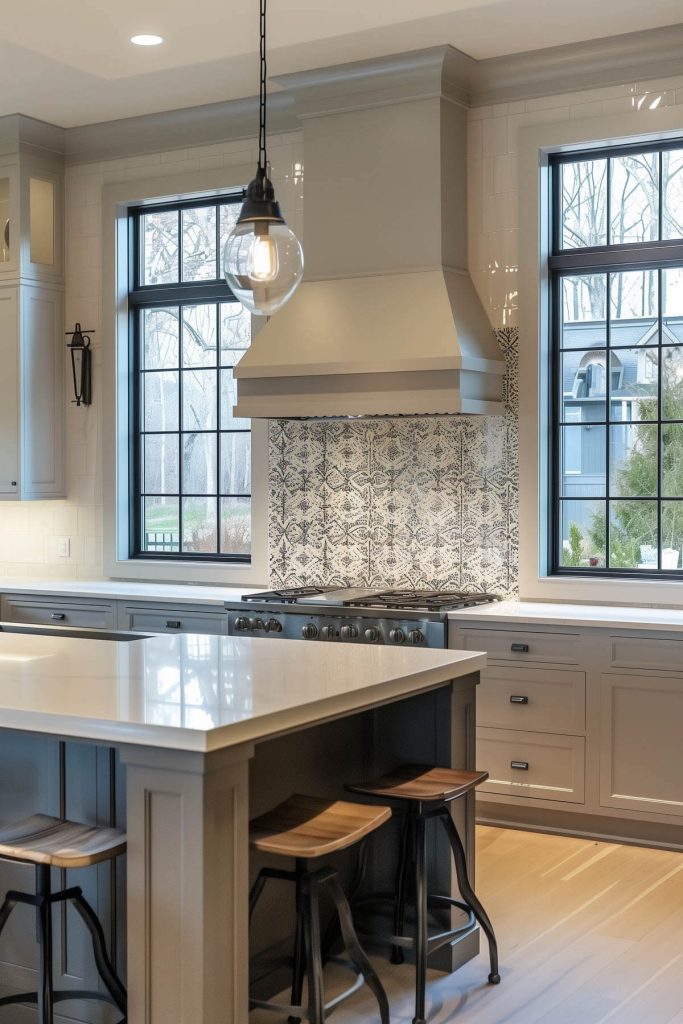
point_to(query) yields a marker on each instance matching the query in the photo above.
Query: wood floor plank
(589, 933)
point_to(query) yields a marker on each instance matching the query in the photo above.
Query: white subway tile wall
(29, 533)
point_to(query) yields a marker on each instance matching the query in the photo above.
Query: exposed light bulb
(264, 259)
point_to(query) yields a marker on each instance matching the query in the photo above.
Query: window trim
(117, 201)
(606, 259)
(535, 144)
(141, 297)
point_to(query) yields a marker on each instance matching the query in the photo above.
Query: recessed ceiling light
(146, 40)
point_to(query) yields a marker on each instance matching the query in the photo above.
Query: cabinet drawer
(528, 647)
(647, 653)
(172, 619)
(539, 766)
(535, 699)
(60, 612)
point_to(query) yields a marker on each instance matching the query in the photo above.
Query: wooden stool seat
(421, 783)
(308, 826)
(42, 839)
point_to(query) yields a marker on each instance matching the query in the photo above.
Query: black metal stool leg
(255, 892)
(5, 911)
(421, 919)
(44, 923)
(468, 893)
(316, 1010)
(104, 965)
(354, 949)
(299, 969)
(397, 956)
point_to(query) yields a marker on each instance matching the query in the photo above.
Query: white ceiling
(70, 63)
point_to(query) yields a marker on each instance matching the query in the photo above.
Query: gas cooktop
(363, 615)
(367, 598)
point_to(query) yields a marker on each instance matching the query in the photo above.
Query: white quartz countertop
(121, 590)
(551, 614)
(203, 693)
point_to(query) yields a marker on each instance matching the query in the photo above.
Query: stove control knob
(327, 633)
(241, 624)
(259, 624)
(397, 636)
(273, 626)
(349, 632)
(372, 635)
(310, 631)
(416, 636)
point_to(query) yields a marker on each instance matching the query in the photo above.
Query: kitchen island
(191, 718)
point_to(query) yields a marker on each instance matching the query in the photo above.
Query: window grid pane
(618, 368)
(192, 456)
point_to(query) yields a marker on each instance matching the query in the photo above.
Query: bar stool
(424, 793)
(306, 828)
(47, 843)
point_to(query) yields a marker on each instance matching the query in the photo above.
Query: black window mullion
(608, 408)
(610, 260)
(176, 295)
(660, 395)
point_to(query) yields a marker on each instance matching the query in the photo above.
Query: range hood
(387, 321)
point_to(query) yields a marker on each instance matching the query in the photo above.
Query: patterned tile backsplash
(424, 502)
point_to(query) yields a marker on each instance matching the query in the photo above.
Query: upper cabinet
(32, 342)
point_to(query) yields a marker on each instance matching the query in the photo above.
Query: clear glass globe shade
(263, 263)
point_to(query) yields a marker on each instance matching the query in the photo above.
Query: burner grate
(288, 595)
(429, 600)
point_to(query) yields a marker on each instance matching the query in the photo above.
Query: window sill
(667, 593)
(215, 573)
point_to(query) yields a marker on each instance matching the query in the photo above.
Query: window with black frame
(616, 275)
(190, 457)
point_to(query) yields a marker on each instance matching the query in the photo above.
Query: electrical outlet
(64, 547)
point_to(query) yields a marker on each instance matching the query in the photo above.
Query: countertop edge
(640, 619)
(240, 733)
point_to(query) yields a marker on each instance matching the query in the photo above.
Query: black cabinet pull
(522, 766)
(518, 699)
(58, 616)
(173, 624)
(520, 648)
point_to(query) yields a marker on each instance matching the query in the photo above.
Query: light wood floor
(588, 932)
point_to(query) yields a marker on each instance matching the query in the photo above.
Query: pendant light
(263, 261)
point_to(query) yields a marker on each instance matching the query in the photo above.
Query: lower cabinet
(533, 765)
(601, 737)
(641, 767)
(59, 611)
(173, 618)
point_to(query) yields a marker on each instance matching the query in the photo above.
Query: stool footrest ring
(301, 1012)
(407, 941)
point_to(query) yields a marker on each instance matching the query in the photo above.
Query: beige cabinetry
(580, 727)
(31, 312)
(642, 728)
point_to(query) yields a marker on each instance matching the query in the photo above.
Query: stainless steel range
(353, 615)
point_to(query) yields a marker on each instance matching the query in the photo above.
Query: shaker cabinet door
(641, 768)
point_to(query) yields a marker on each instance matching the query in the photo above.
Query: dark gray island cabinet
(181, 739)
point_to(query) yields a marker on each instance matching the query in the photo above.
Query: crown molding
(616, 60)
(437, 71)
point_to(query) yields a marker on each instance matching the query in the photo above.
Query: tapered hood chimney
(387, 320)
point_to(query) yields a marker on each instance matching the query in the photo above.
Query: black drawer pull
(522, 766)
(58, 616)
(520, 648)
(173, 624)
(518, 699)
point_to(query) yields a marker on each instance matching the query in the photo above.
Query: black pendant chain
(262, 154)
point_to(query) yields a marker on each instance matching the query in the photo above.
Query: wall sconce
(81, 365)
